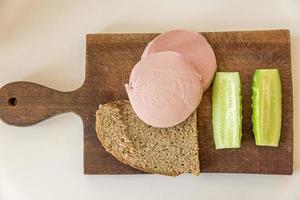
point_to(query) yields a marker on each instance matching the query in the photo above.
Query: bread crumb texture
(168, 151)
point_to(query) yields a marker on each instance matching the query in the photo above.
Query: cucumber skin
(227, 118)
(266, 118)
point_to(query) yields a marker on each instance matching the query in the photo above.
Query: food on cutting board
(227, 110)
(191, 45)
(266, 107)
(156, 130)
(164, 89)
(167, 151)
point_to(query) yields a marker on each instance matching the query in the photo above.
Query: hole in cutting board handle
(12, 101)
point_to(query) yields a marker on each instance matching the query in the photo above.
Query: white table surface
(44, 41)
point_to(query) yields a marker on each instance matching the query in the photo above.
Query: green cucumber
(227, 110)
(266, 107)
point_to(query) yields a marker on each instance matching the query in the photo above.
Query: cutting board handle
(26, 103)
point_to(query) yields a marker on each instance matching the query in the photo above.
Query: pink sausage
(146, 50)
(164, 89)
(191, 45)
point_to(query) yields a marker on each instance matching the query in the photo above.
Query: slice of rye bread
(168, 151)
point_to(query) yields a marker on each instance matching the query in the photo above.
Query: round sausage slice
(191, 45)
(164, 89)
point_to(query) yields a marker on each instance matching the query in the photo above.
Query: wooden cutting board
(109, 60)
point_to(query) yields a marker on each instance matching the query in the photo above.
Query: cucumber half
(266, 107)
(227, 110)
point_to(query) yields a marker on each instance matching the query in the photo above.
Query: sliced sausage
(191, 45)
(164, 89)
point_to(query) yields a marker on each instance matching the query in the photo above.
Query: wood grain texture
(109, 60)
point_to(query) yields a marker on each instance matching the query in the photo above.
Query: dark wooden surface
(109, 60)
